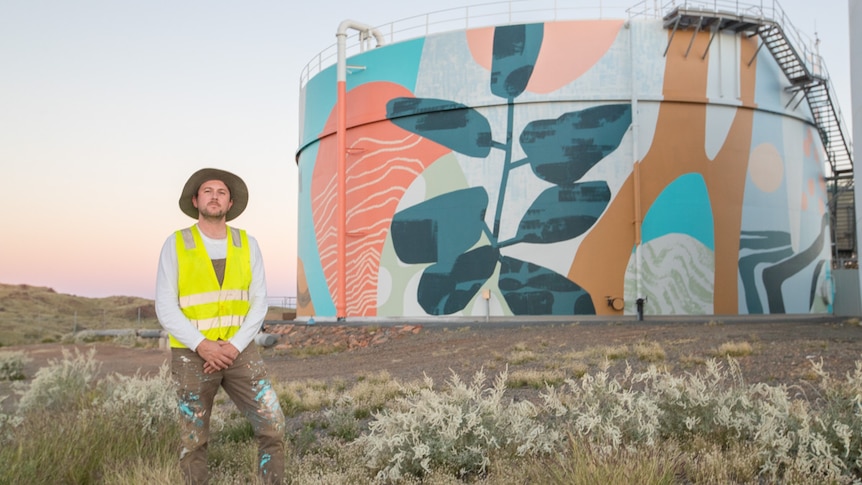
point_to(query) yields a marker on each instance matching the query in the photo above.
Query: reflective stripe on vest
(217, 311)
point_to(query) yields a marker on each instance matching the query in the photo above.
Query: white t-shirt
(167, 294)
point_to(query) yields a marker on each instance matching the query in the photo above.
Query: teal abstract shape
(530, 289)
(562, 150)
(321, 91)
(307, 248)
(563, 213)
(444, 290)
(515, 50)
(774, 276)
(763, 248)
(683, 207)
(438, 230)
(453, 125)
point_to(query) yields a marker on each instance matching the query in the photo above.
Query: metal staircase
(808, 82)
(816, 90)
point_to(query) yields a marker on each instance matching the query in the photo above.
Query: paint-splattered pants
(247, 385)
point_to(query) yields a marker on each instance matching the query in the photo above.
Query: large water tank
(565, 167)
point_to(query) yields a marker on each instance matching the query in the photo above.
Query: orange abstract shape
(382, 161)
(568, 50)
(680, 129)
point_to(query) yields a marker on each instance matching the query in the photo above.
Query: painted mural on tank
(561, 168)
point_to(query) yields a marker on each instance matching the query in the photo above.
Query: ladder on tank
(805, 84)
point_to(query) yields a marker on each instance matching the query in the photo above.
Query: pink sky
(106, 241)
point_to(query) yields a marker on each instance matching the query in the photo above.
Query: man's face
(213, 199)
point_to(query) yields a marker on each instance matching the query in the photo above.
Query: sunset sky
(106, 108)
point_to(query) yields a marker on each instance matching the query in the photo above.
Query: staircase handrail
(770, 12)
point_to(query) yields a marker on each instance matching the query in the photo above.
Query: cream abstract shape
(766, 167)
(678, 277)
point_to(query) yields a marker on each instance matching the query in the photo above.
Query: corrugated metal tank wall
(564, 168)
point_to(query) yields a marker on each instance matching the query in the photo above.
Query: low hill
(36, 314)
(33, 314)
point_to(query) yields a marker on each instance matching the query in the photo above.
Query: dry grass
(535, 379)
(650, 352)
(517, 357)
(734, 349)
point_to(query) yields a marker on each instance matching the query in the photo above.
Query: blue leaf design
(516, 48)
(444, 230)
(563, 213)
(453, 125)
(530, 289)
(445, 290)
(561, 151)
(440, 229)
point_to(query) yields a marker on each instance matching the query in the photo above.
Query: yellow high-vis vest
(216, 310)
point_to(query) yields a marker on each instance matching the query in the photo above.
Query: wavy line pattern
(379, 171)
(678, 277)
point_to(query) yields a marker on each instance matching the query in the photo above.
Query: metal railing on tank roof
(468, 17)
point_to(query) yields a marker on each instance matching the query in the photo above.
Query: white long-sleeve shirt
(167, 294)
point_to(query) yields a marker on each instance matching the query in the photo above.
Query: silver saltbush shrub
(12, 365)
(794, 439)
(72, 384)
(456, 430)
(65, 384)
(8, 423)
(151, 400)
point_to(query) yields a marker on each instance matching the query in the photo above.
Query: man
(211, 299)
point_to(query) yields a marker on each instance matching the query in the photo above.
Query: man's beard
(215, 213)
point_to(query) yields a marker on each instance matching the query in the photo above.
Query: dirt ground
(781, 349)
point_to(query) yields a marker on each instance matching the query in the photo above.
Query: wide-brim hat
(238, 191)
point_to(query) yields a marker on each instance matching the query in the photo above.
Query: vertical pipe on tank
(341, 153)
(638, 219)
